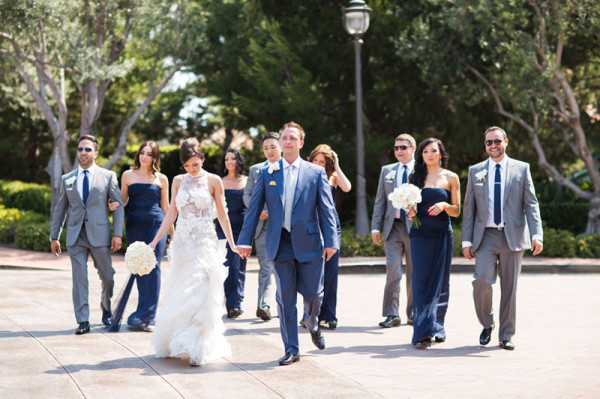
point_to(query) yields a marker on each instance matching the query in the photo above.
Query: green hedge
(11, 218)
(567, 216)
(26, 196)
(36, 237)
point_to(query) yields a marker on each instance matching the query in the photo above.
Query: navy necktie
(85, 191)
(404, 180)
(497, 198)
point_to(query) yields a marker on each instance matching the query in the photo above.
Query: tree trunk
(593, 225)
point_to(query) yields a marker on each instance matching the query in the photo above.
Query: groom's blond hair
(406, 137)
(293, 125)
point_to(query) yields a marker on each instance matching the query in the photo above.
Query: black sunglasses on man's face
(400, 147)
(488, 143)
(86, 149)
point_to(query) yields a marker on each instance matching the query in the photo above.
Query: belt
(496, 228)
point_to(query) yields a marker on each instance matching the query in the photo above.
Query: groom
(301, 233)
(82, 201)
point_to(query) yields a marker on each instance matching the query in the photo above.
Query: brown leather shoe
(264, 314)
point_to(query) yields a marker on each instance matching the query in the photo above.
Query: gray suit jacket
(521, 211)
(94, 213)
(252, 176)
(383, 211)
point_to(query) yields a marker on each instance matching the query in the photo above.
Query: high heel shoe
(424, 343)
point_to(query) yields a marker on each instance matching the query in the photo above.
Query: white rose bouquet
(140, 258)
(406, 197)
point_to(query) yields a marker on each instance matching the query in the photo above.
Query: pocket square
(272, 183)
(479, 184)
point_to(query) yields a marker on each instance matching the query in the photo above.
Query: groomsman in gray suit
(82, 202)
(396, 226)
(501, 211)
(272, 151)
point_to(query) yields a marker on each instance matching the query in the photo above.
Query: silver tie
(289, 200)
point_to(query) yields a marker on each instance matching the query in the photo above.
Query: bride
(190, 324)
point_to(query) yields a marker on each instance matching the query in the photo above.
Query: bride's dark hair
(419, 174)
(190, 148)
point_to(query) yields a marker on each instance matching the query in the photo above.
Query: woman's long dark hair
(155, 156)
(419, 174)
(241, 163)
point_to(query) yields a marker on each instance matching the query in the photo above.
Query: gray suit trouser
(265, 270)
(396, 245)
(494, 258)
(102, 262)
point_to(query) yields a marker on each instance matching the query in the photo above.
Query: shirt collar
(409, 165)
(91, 169)
(502, 163)
(296, 163)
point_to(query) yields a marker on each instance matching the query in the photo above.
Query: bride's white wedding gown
(190, 324)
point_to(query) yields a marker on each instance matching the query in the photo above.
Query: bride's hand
(152, 245)
(412, 213)
(235, 249)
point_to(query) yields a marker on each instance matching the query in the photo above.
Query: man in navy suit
(301, 235)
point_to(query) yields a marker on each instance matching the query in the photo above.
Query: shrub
(358, 246)
(36, 237)
(558, 243)
(556, 216)
(10, 218)
(26, 196)
(589, 246)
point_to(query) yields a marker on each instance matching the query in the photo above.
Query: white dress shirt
(294, 176)
(91, 172)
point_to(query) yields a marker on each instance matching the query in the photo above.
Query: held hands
(55, 247)
(112, 206)
(537, 247)
(328, 253)
(235, 249)
(244, 252)
(115, 243)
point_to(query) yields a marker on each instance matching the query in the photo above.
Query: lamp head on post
(356, 18)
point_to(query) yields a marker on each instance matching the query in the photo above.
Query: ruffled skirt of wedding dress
(190, 323)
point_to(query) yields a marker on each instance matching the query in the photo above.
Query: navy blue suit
(297, 255)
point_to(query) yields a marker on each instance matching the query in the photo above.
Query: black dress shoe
(424, 343)
(485, 336)
(83, 328)
(288, 359)
(507, 344)
(440, 339)
(318, 339)
(107, 316)
(264, 314)
(330, 325)
(390, 321)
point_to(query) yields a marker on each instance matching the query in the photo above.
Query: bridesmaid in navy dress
(232, 171)
(325, 157)
(431, 244)
(146, 190)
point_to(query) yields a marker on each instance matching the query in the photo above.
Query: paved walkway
(557, 355)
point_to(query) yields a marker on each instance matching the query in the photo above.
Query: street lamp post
(356, 23)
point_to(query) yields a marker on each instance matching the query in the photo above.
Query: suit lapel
(74, 185)
(486, 184)
(509, 178)
(299, 186)
(393, 183)
(278, 178)
(98, 183)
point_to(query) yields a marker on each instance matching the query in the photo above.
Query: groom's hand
(115, 243)
(244, 252)
(537, 247)
(55, 247)
(328, 253)
(468, 252)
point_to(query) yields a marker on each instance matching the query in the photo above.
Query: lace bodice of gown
(195, 208)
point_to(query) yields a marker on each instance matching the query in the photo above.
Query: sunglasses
(400, 147)
(86, 149)
(495, 141)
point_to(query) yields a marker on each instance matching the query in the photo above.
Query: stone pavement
(555, 357)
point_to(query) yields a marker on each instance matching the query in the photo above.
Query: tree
(59, 47)
(538, 64)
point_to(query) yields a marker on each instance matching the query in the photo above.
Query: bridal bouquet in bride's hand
(140, 258)
(406, 197)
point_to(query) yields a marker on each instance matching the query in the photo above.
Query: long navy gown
(234, 284)
(330, 277)
(143, 221)
(431, 248)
